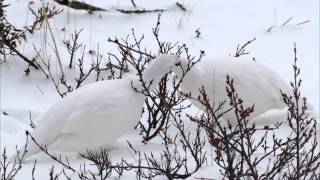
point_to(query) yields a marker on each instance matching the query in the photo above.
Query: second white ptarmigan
(254, 83)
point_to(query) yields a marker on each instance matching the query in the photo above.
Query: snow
(223, 24)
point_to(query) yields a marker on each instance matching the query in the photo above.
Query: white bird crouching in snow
(254, 83)
(96, 114)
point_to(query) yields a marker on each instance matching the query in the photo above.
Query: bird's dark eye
(177, 63)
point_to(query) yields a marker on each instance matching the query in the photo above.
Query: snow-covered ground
(223, 25)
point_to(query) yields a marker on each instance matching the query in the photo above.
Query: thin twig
(180, 6)
(138, 11)
(31, 63)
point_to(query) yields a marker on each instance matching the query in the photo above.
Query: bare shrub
(240, 51)
(160, 102)
(72, 46)
(11, 36)
(101, 68)
(173, 162)
(10, 167)
(304, 150)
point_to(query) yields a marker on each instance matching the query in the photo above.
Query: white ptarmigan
(96, 114)
(254, 83)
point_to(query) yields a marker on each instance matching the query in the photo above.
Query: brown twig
(133, 3)
(181, 6)
(139, 11)
(30, 62)
(74, 4)
(242, 50)
(45, 150)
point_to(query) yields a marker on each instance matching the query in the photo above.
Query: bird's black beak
(177, 64)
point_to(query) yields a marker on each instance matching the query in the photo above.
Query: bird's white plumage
(254, 83)
(96, 114)
(90, 117)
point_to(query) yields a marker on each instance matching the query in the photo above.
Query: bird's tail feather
(280, 115)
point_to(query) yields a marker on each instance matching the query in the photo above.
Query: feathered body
(254, 83)
(89, 118)
(93, 116)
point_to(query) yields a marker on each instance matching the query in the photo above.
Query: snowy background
(223, 25)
